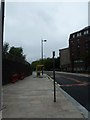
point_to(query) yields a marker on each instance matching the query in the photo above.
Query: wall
(10, 67)
(64, 56)
(65, 63)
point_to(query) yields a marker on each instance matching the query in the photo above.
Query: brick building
(65, 63)
(79, 45)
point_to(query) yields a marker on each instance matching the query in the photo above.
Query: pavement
(0, 115)
(32, 97)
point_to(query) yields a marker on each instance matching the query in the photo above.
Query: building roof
(63, 49)
(86, 28)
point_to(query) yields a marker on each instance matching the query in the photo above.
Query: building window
(74, 36)
(78, 40)
(77, 34)
(86, 45)
(71, 44)
(71, 41)
(80, 34)
(86, 32)
(72, 54)
(78, 46)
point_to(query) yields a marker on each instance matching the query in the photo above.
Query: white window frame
(73, 35)
(78, 34)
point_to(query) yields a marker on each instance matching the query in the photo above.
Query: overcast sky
(27, 23)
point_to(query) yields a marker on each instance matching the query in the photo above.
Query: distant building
(79, 45)
(65, 63)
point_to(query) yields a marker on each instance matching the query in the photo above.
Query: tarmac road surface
(77, 86)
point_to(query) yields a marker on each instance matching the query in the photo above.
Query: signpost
(54, 76)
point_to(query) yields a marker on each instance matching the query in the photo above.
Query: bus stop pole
(54, 76)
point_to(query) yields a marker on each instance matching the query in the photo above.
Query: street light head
(45, 40)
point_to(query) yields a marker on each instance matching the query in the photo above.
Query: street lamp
(42, 41)
(2, 8)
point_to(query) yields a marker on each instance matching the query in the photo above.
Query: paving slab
(0, 115)
(32, 97)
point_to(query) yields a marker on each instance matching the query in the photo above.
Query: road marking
(58, 85)
(82, 84)
(72, 79)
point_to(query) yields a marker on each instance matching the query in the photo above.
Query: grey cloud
(27, 23)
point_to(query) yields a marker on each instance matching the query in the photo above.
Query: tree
(35, 63)
(5, 48)
(48, 63)
(18, 52)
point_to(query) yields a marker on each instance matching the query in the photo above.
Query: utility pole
(54, 76)
(1, 46)
(42, 51)
(2, 8)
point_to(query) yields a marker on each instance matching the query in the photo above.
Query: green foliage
(5, 48)
(14, 53)
(35, 63)
(17, 51)
(48, 63)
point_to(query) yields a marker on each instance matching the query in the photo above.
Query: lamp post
(42, 41)
(2, 8)
(1, 44)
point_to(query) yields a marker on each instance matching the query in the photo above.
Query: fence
(10, 67)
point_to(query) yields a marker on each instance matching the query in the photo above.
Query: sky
(27, 23)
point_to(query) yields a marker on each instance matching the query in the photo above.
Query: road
(76, 86)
